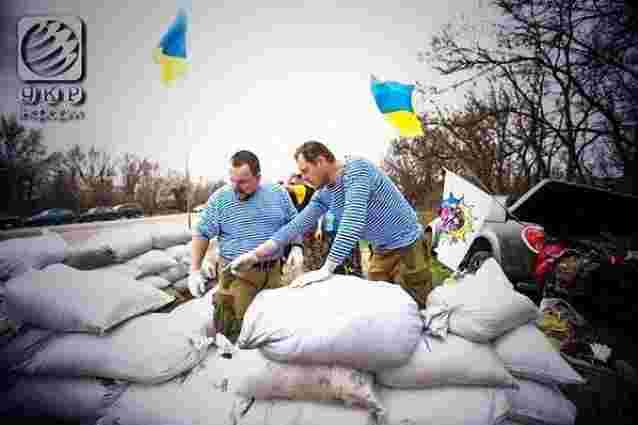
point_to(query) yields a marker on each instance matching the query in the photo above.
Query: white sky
(264, 78)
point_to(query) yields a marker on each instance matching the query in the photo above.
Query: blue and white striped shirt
(366, 204)
(241, 226)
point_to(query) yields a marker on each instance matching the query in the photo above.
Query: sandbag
(450, 361)
(123, 243)
(174, 273)
(73, 399)
(18, 255)
(450, 405)
(536, 403)
(178, 252)
(249, 374)
(149, 349)
(193, 398)
(482, 307)
(152, 262)
(68, 300)
(297, 412)
(527, 353)
(168, 235)
(23, 346)
(155, 281)
(345, 320)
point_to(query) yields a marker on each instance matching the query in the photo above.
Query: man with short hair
(242, 216)
(367, 205)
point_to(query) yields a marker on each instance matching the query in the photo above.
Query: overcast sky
(264, 78)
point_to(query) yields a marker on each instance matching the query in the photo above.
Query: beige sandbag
(73, 399)
(536, 403)
(482, 307)
(527, 353)
(450, 405)
(324, 324)
(149, 349)
(152, 262)
(250, 374)
(450, 361)
(167, 235)
(297, 412)
(62, 298)
(194, 398)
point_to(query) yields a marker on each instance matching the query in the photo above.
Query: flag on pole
(171, 52)
(394, 100)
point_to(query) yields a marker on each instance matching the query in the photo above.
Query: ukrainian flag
(394, 100)
(170, 54)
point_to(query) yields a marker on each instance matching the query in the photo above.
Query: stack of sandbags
(19, 255)
(155, 254)
(484, 309)
(86, 336)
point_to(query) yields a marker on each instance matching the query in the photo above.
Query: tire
(476, 260)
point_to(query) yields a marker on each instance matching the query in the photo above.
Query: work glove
(324, 273)
(294, 265)
(242, 263)
(196, 283)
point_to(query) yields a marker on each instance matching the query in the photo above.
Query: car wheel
(476, 260)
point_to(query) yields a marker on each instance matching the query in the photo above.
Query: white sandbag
(152, 262)
(460, 405)
(124, 242)
(296, 412)
(194, 316)
(18, 255)
(178, 251)
(149, 349)
(193, 399)
(168, 235)
(73, 399)
(174, 273)
(482, 307)
(23, 346)
(68, 300)
(249, 374)
(345, 320)
(527, 353)
(181, 284)
(155, 281)
(450, 361)
(535, 403)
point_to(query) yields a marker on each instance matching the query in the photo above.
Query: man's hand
(196, 283)
(242, 263)
(324, 273)
(294, 265)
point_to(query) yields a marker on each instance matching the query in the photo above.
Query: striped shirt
(367, 206)
(241, 226)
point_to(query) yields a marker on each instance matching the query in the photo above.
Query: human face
(314, 173)
(243, 181)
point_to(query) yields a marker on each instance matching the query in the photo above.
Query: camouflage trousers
(409, 267)
(236, 292)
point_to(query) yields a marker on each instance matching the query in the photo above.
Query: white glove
(320, 275)
(294, 265)
(196, 283)
(242, 263)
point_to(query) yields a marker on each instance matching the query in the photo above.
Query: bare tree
(95, 170)
(131, 170)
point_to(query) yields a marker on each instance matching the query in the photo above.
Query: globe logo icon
(50, 49)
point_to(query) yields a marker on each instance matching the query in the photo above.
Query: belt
(264, 266)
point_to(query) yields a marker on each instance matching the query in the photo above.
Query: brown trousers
(409, 267)
(235, 294)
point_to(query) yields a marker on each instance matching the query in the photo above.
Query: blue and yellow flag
(170, 54)
(394, 100)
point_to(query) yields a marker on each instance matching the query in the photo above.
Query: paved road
(79, 232)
